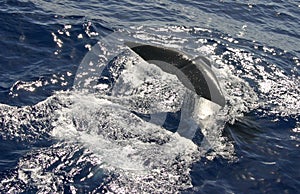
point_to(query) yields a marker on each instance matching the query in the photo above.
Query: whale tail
(196, 74)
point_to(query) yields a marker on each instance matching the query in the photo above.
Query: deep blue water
(254, 46)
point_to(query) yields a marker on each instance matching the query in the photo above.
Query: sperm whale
(196, 75)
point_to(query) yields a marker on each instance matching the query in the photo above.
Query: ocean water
(65, 130)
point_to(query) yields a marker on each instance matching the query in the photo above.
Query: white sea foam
(97, 136)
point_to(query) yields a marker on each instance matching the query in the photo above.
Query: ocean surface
(65, 129)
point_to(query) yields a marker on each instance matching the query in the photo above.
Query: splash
(277, 91)
(97, 139)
